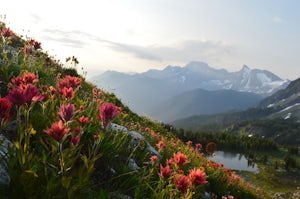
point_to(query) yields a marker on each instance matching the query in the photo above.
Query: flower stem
(61, 160)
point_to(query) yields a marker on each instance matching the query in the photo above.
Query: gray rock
(117, 127)
(133, 165)
(4, 157)
(136, 137)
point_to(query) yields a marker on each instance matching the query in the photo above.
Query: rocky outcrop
(5, 144)
(136, 137)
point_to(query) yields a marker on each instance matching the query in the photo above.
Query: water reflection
(234, 161)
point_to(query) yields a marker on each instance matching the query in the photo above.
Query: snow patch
(263, 78)
(289, 107)
(270, 105)
(288, 116)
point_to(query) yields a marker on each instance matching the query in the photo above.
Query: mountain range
(197, 88)
(277, 116)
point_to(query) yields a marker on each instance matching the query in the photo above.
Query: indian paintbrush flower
(165, 171)
(57, 131)
(108, 112)
(180, 159)
(83, 120)
(66, 112)
(182, 183)
(197, 177)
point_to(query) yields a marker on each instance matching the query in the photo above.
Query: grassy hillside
(63, 145)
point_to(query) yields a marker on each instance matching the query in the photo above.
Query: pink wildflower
(67, 93)
(36, 44)
(161, 145)
(197, 177)
(66, 112)
(75, 140)
(182, 183)
(83, 120)
(199, 146)
(7, 33)
(165, 171)
(190, 143)
(108, 112)
(57, 131)
(154, 158)
(69, 82)
(180, 159)
(16, 96)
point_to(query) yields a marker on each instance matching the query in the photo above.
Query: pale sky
(136, 35)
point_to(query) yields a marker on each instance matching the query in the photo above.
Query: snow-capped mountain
(145, 92)
(201, 75)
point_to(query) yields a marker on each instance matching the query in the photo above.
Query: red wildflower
(27, 50)
(182, 183)
(169, 161)
(29, 78)
(81, 107)
(180, 171)
(153, 158)
(16, 96)
(161, 145)
(165, 171)
(26, 78)
(199, 146)
(66, 112)
(180, 159)
(108, 112)
(7, 33)
(30, 91)
(76, 130)
(69, 82)
(16, 81)
(190, 143)
(96, 93)
(75, 140)
(67, 93)
(36, 44)
(40, 98)
(5, 107)
(197, 177)
(83, 120)
(57, 131)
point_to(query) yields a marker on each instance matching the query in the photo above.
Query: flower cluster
(195, 177)
(23, 90)
(67, 86)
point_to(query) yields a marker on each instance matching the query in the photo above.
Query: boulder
(5, 144)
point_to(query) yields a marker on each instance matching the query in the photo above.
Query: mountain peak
(245, 68)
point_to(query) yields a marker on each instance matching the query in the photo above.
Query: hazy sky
(135, 35)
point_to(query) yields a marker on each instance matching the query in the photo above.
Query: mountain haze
(205, 102)
(147, 92)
